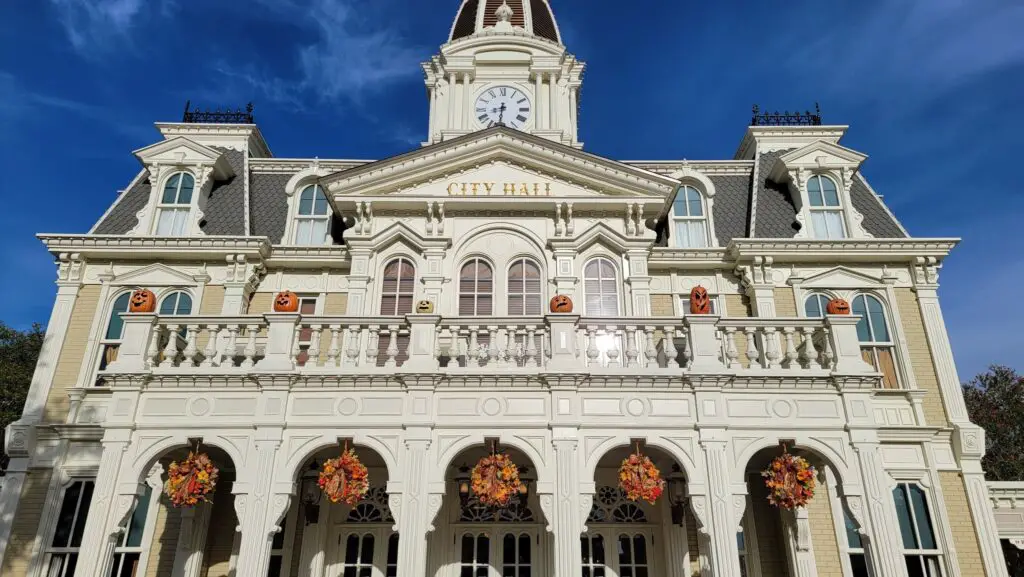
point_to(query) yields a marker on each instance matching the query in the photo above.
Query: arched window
(815, 305)
(175, 205)
(601, 287)
(312, 216)
(524, 288)
(111, 341)
(398, 288)
(689, 219)
(875, 339)
(177, 303)
(476, 289)
(826, 208)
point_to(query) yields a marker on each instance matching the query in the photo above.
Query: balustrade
(781, 344)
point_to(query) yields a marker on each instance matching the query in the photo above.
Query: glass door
(364, 552)
(497, 552)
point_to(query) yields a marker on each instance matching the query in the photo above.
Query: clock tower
(505, 64)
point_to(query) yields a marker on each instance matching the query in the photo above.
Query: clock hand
(501, 113)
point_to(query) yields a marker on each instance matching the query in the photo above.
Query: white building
(500, 210)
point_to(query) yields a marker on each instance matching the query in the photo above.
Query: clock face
(503, 105)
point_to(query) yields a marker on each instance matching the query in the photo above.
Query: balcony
(701, 350)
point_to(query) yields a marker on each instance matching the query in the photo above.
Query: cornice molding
(294, 165)
(119, 246)
(837, 251)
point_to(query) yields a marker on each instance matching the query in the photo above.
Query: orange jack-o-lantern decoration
(837, 307)
(561, 304)
(700, 302)
(142, 301)
(286, 302)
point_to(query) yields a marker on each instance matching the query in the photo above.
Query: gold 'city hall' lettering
(499, 189)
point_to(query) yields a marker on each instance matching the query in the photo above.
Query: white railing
(467, 342)
(346, 342)
(627, 343)
(791, 344)
(199, 341)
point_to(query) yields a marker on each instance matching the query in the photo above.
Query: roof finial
(504, 12)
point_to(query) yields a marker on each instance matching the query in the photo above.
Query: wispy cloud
(96, 26)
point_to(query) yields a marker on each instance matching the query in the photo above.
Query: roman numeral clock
(503, 105)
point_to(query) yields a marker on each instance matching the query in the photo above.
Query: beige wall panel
(166, 530)
(221, 536)
(336, 304)
(661, 306)
(213, 300)
(26, 524)
(768, 527)
(737, 306)
(823, 535)
(958, 515)
(261, 303)
(69, 363)
(785, 302)
(921, 356)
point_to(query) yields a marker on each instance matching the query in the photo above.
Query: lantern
(142, 301)
(462, 482)
(700, 302)
(286, 302)
(561, 304)
(837, 306)
(311, 493)
(676, 485)
(424, 307)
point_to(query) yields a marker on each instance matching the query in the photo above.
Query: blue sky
(931, 89)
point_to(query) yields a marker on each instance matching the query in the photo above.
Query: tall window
(358, 556)
(313, 216)
(601, 285)
(855, 548)
(62, 554)
(826, 209)
(593, 555)
(875, 340)
(476, 289)
(515, 555)
(524, 288)
(391, 564)
(175, 205)
(476, 555)
(633, 556)
(111, 340)
(398, 288)
(920, 549)
(689, 220)
(128, 551)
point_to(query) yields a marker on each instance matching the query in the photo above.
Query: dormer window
(175, 205)
(312, 217)
(826, 208)
(689, 219)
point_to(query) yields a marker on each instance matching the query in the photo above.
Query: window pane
(306, 202)
(698, 234)
(165, 225)
(508, 546)
(83, 512)
(859, 565)
(828, 189)
(923, 518)
(887, 366)
(903, 514)
(275, 566)
(366, 555)
(818, 225)
(852, 534)
(116, 325)
(352, 550)
(876, 313)
(814, 191)
(834, 222)
(319, 231)
(812, 307)
(137, 524)
(863, 327)
(483, 549)
(66, 518)
(171, 190)
(693, 200)
(625, 554)
(467, 549)
(914, 566)
(320, 206)
(187, 184)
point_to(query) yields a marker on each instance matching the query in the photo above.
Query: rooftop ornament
(218, 116)
(786, 118)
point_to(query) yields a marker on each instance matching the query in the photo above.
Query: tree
(19, 351)
(995, 401)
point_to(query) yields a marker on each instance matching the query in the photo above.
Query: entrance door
(361, 551)
(502, 551)
(617, 551)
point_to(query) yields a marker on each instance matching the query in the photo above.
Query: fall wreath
(790, 481)
(495, 480)
(345, 479)
(639, 478)
(191, 481)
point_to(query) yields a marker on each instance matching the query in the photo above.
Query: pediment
(841, 278)
(821, 154)
(156, 275)
(501, 162)
(180, 151)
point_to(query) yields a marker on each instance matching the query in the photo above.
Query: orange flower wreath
(790, 481)
(495, 480)
(345, 479)
(640, 478)
(191, 480)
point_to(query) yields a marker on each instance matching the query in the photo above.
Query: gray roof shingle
(225, 209)
(877, 220)
(732, 206)
(269, 205)
(121, 218)
(776, 213)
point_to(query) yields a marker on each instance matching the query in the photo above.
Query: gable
(180, 151)
(822, 154)
(155, 275)
(841, 278)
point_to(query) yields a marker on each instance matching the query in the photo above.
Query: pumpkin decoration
(639, 478)
(495, 480)
(561, 304)
(424, 307)
(700, 302)
(345, 479)
(790, 481)
(837, 306)
(142, 301)
(286, 302)
(191, 481)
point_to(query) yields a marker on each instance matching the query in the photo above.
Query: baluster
(313, 353)
(810, 353)
(191, 350)
(516, 346)
(686, 352)
(752, 353)
(334, 352)
(732, 354)
(791, 353)
(352, 335)
(671, 354)
(210, 350)
(437, 349)
(632, 353)
(392, 350)
(828, 353)
(473, 347)
(230, 349)
(532, 356)
(171, 348)
(771, 348)
(651, 350)
(250, 347)
(592, 351)
(372, 345)
(613, 348)
(295, 343)
(493, 353)
(153, 352)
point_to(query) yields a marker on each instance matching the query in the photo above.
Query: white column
(453, 87)
(883, 532)
(553, 100)
(970, 444)
(257, 508)
(566, 522)
(413, 521)
(280, 338)
(195, 524)
(421, 343)
(563, 341)
(467, 108)
(538, 97)
(109, 510)
(56, 330)
(799, 550)
(677, 548)
(718, 506)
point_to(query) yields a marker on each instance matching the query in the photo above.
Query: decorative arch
(303, 178)
(827, 453)
(693, 480)
(139, 466)
(545, 477)
(299, 455)
(535, 242)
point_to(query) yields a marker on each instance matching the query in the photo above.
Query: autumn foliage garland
(790, 481)
(495, 480)
(640, 478)
(345, 479)
(191, 480)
